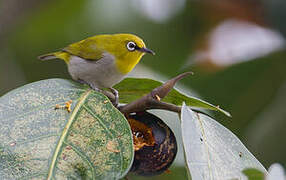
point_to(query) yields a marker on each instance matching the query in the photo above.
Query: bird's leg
(82, 82)
(115, 93)
(90, 85)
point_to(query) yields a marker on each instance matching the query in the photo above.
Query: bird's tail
(47, 56)
(60, 54)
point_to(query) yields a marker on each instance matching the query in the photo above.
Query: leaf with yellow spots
(58, 129)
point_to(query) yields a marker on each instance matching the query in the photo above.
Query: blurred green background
(236, 48)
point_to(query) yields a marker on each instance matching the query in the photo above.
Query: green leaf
(131, 89)
(253, 174)
(211, 150)
(93, 141)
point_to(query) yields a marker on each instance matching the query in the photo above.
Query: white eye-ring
(131, 46)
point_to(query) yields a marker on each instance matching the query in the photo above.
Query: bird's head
(127, 49)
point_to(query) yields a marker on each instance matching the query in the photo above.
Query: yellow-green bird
(102, 61)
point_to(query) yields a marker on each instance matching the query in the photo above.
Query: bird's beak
(146, 50)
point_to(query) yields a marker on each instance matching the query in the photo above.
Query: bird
(101, 61)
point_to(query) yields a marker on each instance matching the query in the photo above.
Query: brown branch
(152, 100)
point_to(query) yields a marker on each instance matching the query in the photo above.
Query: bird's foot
(114, 91)
(116, 95)
(90, 85)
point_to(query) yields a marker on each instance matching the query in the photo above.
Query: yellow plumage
(103, 60)
(93, 48)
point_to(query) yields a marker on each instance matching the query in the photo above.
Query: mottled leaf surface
(131, 89)
(212, 151)
(38, 141)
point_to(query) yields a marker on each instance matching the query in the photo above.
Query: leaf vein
(113, 136)
(33, 139)
(83, 156)
(65, 132)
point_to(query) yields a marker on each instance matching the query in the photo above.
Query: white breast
(101, 73)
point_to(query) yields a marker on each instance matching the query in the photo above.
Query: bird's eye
(131, 46)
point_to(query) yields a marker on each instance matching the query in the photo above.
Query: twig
(152, 100)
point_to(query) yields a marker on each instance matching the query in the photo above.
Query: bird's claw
(116, 95)
(90, 85)
(114, 91)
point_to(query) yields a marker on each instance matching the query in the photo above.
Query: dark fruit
(154, 143)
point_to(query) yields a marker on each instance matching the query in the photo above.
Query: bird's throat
(126, 65)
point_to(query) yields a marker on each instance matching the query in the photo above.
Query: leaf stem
(152, 99)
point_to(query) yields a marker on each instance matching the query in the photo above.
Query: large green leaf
(37, 141)
(131, 89)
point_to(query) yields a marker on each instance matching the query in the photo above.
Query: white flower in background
(108, 12)
(234, 41)
(276, 172)
(123, 11)
(159, 10)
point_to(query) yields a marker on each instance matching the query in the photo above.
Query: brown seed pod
(154, 143)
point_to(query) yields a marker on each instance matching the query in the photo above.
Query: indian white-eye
(102, 61)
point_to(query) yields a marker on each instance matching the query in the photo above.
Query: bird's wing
(85, 49)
